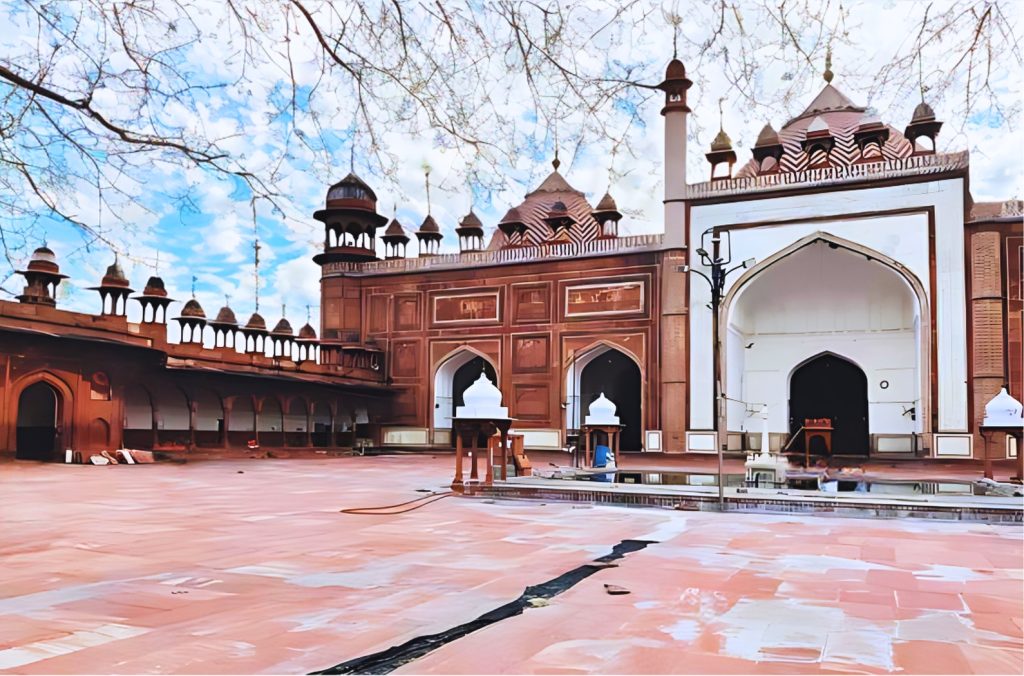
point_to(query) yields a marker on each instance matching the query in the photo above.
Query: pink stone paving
(247, 566)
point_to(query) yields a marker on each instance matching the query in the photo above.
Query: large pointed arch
(631, 402)
(442, 378)
(65, 413)
(913, 285)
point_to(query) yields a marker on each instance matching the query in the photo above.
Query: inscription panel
(466, 308)
(583, 301)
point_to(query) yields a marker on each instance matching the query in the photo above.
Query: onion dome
(45, 261)
(193, 309)
(602, 412)
(225, 317)
(482, 400)
(307, 332)
(283, 328)
(256, 323)
(1003, 411)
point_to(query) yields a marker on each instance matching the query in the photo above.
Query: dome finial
(426, 181)
(556, 163)
(828, 74)
(308, 314)
(194, 280)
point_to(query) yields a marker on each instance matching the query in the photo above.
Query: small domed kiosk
(42, 276)
(481, 414)
(601, 424)
(1003, 413)
(193, 318)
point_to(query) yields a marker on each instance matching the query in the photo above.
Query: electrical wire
(386, 509)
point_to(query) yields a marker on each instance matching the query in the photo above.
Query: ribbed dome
(256, 323)
(193, 309)
(282, 328)
(307, 332)
(226, 316)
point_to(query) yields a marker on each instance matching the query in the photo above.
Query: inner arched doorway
(607, 370)
(452, 378)
(828, 386)
(39, 415)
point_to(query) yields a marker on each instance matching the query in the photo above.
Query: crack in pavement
(386, 661)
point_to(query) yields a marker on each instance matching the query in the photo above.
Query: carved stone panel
(378, 311)
(406, 359)
(407, 312)
(531, 401)
(531, 353)
(531, 303)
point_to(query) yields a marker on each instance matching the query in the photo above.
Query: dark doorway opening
(466, 375)
(39, 408)
(831, 387)
(618, 377)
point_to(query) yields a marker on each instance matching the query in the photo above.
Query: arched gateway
(39, 416)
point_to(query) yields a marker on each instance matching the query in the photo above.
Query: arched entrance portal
(39, 413)
(608, 370)
(450, 382)
(828, 386)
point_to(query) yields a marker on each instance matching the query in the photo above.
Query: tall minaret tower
(673, 357)
(675, 111)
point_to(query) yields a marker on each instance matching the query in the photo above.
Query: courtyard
(248, 566)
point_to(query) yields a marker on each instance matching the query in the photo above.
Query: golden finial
(828, 74)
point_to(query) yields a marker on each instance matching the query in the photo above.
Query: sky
(206, 241)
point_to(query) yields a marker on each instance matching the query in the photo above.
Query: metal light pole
(718, 261)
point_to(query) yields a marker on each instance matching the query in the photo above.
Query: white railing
(895, 168)
(518, 254)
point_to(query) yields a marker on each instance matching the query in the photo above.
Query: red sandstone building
(875, 293)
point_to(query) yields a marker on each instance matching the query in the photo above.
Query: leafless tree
(101, 97)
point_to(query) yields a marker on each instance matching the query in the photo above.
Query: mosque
(841, 272)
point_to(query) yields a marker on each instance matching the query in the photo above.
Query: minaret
(675, 112)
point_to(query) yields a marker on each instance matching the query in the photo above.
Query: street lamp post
(718, 261)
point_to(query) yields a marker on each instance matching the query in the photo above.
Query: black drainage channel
(386, 661)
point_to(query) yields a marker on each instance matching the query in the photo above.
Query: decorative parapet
(510, 255)
(915, 165)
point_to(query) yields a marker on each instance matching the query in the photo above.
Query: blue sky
(209, 235)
